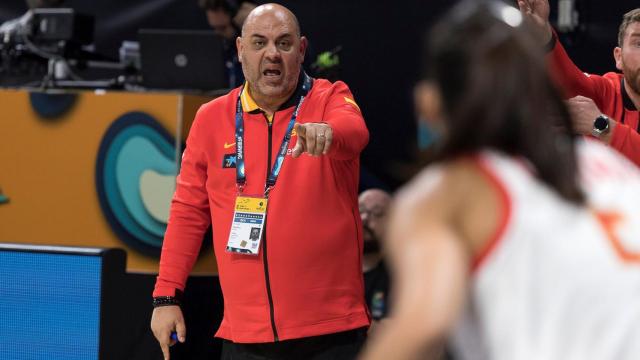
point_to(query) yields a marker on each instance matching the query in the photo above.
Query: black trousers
(339, 346)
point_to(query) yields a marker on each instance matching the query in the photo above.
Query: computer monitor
(182, 59)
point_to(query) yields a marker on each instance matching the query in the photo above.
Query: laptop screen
(182, 59)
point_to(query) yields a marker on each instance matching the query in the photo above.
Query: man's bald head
(375, 196)
(271, 51)
(267, 12)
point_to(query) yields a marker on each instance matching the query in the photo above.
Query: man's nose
(272, 53)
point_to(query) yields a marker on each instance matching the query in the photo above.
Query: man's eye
(258, 43)
(284, 45)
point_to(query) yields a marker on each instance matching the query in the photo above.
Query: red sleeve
(350, 134)
(627, 141)
(601, 90)
(188, 218)
(573, 81)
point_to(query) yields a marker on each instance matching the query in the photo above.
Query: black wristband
(159, 301)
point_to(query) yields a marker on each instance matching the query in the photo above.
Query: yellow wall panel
(47, 168)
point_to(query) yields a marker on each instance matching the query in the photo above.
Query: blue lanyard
(241, 177)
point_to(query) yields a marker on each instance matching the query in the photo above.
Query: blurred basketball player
(521, 241)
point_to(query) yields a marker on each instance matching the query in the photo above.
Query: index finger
(165, 350)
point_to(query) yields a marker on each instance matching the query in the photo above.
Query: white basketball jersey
(560, 282)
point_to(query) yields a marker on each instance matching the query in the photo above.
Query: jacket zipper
(264, 239)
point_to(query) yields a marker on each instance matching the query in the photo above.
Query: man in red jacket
(280, 153)
(614, 95)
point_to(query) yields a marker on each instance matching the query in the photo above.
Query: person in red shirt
(608, 106)
(301, 295)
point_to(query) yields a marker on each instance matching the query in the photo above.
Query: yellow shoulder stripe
(352, 102)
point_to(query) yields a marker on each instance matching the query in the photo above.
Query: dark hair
(628, 19)
(228, 6)
(497, 94)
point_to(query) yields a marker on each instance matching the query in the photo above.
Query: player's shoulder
(441, 185)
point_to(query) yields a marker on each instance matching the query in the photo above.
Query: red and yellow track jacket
(307, 279)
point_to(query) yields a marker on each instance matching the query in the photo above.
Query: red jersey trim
(503, 218)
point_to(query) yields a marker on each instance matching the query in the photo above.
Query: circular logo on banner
(135, 180)
(51, 106)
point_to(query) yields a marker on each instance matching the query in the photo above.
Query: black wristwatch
(600, 126)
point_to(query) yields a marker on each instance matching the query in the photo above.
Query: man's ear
(239, 47)
(303, 47)
(617, 55)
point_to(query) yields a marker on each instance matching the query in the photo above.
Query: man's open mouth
(271, 72)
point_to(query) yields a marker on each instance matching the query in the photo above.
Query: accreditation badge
(248, 225)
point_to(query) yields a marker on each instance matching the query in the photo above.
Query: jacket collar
(626, 99)
(249, 105)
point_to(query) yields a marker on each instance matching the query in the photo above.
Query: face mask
(426, 135)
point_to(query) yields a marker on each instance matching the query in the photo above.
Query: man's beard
(372, 245)
(633, 79)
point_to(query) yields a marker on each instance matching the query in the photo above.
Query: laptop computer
(182, 59)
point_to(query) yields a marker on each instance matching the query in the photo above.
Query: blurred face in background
(427, 100)
(271, 51)
(220, 22)
(373, 205)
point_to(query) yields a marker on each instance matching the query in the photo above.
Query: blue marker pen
(174, 336)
